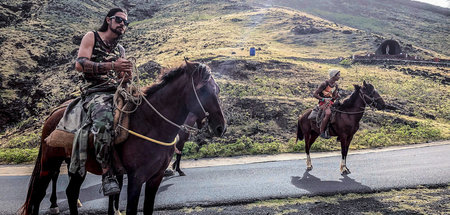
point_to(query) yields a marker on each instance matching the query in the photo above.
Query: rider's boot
(110, 185)
(323, 128)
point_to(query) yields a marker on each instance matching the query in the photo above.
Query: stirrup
(325, 134)
(110, 185)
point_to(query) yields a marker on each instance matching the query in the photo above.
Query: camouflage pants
(98, 120)
(102, 118)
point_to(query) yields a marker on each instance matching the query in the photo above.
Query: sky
(442, 3)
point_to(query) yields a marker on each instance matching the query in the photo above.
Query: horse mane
(166, 76)
(350, 101)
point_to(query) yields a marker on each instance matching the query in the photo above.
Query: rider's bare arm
(84, 64)
(94, 68)
(320, 89)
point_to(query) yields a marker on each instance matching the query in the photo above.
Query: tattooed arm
(94, 68)
(84, 64)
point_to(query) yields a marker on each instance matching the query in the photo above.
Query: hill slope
(262, 95)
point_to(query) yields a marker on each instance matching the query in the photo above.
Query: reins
(362, 96)
(137, 100)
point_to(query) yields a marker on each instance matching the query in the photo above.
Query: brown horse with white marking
(189, 88)
(347, 117)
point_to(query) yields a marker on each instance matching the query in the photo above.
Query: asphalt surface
(239, 183)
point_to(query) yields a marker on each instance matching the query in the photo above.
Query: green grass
(18, 155)
(388, 135)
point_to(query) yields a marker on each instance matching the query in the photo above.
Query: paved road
(219, 185)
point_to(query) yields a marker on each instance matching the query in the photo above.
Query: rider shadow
(315, 185)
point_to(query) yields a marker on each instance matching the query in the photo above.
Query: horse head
(203, 99)
(371, 96)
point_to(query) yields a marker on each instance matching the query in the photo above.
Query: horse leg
(39, 192)
(73, 191)
(54, 209)
(133, 192)
(345, 143)
(309, 140)
(67, 160)
(151, 187)
(176, 165)
(113, 205)
(307, 148)
(42, 181)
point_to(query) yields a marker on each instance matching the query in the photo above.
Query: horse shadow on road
(93, 192)
(315, 185)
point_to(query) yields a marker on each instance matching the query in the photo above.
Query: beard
(119, 33)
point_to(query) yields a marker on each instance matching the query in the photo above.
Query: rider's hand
(123, 69)
(123, 65)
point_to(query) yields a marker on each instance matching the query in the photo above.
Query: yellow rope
(152, 140)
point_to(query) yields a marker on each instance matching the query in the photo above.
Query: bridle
(185, 128)
(363, 95)
(370, 97)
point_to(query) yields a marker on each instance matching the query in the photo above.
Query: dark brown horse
(113, 204)
(189, 88)
(346, 123)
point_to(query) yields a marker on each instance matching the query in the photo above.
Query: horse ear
(364, 83)
(357, 87)
(188, 65)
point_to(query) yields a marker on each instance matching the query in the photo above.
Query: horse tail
(26, 207)
(299, 131)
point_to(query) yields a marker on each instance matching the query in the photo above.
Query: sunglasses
(120, 20)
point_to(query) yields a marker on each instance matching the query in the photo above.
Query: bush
(31, 139)
(346, 62)
(16, 156)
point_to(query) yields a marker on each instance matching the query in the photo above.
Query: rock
(347, 32)
(76, 39)
(149, 70)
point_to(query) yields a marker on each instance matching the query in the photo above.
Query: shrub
(346, 62)
(23, 141)
(15, 156)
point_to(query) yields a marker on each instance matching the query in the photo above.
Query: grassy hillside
(262, 95)
(410, 22)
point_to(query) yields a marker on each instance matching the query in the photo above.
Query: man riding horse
(101, 59)
(327, 93)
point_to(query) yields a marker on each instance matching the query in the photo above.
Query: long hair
(111, 12)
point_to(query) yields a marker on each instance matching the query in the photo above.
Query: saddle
(60, 138)
(317, 115)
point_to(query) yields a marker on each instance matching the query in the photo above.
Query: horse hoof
(309, 168)
(181, 173)
(117, 212)
(345, 172)
(168, 172)
(54, 210)
(79, 204)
